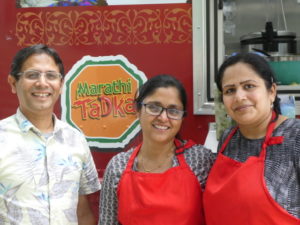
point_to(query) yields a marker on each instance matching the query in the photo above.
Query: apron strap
(269, 140)
(228, 139)
(180, 148)
(132, 157)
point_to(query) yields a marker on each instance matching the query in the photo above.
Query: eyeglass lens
(156, 110)
(35, 75)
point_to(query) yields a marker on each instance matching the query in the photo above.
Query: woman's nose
(240, 94)
(164, 115)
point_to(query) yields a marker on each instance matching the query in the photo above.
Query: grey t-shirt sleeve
(108, 199)
(108, 206)
(200, 160)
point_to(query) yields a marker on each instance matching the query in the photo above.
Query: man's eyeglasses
(156, 110)
(34, 75)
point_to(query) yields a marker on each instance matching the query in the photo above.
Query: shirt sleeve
(108, 207)
(200, 160)
(297, 152)
(89, 182)
(207, 159)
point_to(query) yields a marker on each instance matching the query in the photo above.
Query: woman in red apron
(255, 179)
(160, 181)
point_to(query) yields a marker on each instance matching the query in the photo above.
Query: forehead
(167, 95)
(39, 60)
(238, 73)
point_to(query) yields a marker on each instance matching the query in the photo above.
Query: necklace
(157, 167)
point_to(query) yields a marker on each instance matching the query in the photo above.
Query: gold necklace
(155, 168)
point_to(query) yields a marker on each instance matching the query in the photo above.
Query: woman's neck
(153, 150)
(257, 130)
(155, 157)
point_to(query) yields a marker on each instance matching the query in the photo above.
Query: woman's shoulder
(290, 126)
(119, 161)
(292, 122)
(225, 133)
(198, 152)
(196, 148)
(200, 149)
(200, 160)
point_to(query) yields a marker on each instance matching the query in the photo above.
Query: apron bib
(172, 197)
(236, 193)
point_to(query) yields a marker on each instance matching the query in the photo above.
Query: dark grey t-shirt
(282, 165)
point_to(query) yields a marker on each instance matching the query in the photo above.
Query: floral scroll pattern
(105, 27)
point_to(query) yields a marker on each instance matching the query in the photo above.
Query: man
(46, 168)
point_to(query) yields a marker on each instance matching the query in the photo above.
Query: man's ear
(12, 82)
(61, 85)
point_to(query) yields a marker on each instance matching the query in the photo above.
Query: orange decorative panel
(100, 26)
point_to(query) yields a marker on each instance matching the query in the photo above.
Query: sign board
(98, 99)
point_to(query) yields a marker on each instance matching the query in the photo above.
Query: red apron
(172, 197)
(236, 193)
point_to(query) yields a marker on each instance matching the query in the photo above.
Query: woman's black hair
(157, 82)
(25, 53)
(258, 64)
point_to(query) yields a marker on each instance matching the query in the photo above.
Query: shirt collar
(25, 125)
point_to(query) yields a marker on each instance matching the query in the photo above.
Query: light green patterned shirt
(41, 179)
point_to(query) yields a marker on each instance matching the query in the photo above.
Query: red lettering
(83, 106)
(129, 107)
(95, 111)
(106, 106)
(117, 109)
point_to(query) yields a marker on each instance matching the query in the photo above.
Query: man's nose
(42, 80)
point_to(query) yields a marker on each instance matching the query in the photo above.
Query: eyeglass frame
(162, 110)
(20, 74)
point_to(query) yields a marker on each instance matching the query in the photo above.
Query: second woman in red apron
(159, 182)
(255, 179)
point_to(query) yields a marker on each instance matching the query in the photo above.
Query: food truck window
(222, 28)
(207, 53)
